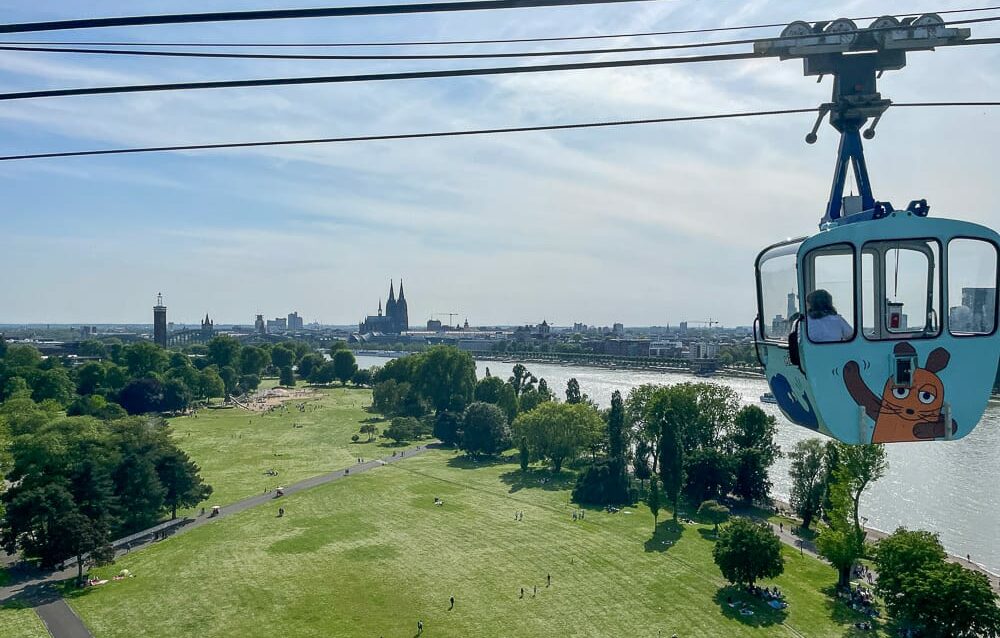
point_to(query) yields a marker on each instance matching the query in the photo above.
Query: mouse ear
(937, 360)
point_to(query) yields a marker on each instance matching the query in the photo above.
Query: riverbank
(785, 511)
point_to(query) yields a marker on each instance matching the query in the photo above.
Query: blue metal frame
(851, 150)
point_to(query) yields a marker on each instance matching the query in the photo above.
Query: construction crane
(711, 323)
(450, 315)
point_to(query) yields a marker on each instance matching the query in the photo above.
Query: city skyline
(643, 225)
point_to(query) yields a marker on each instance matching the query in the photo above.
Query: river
(952, 488)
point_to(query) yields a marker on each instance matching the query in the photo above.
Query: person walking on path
(420, 627)
(548, 580)
(452, 600)
(535, 592)
(522, 593)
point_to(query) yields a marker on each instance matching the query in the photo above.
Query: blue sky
(644, 225)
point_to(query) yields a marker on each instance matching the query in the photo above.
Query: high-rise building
(160, 322)
(982, 302)
(294, 321)
(259, 325)
(278, 323)
(793, 306)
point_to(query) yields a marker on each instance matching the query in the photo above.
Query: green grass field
(371, 554)
(235, 448)
(21, 623)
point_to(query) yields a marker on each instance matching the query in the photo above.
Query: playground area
(272, 398)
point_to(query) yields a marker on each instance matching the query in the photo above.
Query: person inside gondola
(822, 321)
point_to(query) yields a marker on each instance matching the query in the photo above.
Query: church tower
(402, 314)
(160, 322)
(390, 307)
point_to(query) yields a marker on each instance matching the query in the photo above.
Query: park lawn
(234, 448)
(371, 554)
(16, 622)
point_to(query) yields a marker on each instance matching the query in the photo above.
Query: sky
(645, 225)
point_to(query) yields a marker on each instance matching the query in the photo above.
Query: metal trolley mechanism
(882, 327)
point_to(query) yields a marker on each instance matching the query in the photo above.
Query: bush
(355, 438)
(484, 429)
(403, 428)
(602, 484)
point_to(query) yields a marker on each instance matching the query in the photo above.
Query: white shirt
(829, 328)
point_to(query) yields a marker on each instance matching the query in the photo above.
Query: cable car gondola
(882, 327)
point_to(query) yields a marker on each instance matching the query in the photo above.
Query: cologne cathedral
(396, 318)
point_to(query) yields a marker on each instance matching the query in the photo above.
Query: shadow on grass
(732, 600)
(466, 462)
(842, 614)
(374, 419)
(544, 479)
(708, 533)
(665, 536)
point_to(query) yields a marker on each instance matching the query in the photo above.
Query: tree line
(74, 483)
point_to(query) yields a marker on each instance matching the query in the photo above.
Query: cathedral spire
(392, 295)
(401, 297)
(380, 307)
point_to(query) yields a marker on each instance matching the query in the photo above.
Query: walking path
(36, 587)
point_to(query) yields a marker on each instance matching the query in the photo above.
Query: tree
(752, 439)
(89, 378)
(447, 378)
(53, 384)
(519, 379)
(524, 454)
(494, 390)
(714, 512)
(248, 382)
(224, 351)
(808, 486)
(573, 392)
(557, 431)
(843, 541)
(897, 558)
(671, 409)
(362, 378)
(138, 490)
(937, 598)
(747, 551)
(308, 363)
(253, 360)
(403, 428)
(708, 473)
(230, 379)
(176, 395)
(484, 430)
(344, 365)
(144, 358)
(181, 480)
(287, 377)
(282, 356)
(140, 396)
(448, 427)
(322, 373)
(950, 601)
(211, 384)
(653, 500)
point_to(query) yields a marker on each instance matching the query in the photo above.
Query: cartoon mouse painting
(904, 414)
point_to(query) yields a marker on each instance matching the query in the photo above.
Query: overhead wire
(287, 14)
(461, 133)
(429, 56)
(459, 42)
(373, 77)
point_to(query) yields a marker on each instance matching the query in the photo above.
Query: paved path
(35, 586)
(61, 620)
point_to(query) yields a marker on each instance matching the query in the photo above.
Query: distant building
(683, 326)
(618, 329)
(627, 347)
(160, 322)
(207, 326)
(259, 325)
(981, 314)
(88, 331)
(793, 305)
(295, 321)
(278, 323)
(544, 328)
(579, 327)
(434, 325)
(396, 318)
(704, 350)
